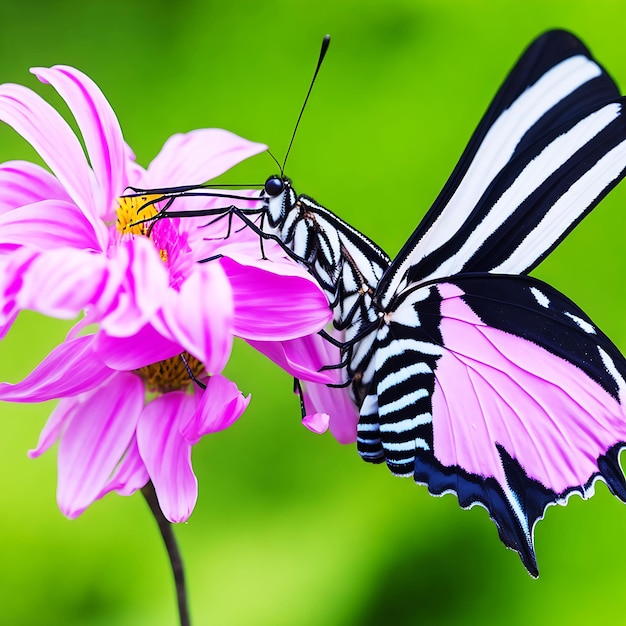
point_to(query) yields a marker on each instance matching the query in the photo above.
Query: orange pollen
(132, 211)
(171, 374)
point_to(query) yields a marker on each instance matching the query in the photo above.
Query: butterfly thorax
(346, 264)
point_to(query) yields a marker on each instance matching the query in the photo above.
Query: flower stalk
(176, 561)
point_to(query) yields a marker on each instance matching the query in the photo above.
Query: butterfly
(471, 376)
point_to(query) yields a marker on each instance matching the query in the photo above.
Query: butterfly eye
(274, 186)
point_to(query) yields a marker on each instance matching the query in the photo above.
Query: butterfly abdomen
(396, 416)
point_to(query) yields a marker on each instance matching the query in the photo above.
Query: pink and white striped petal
(48, 224)
(99, 127)
(54, 140)
(131, 474)
(198, 156)
(167, 454)
(71, 368)
(96, 439)
(139, 285)
(220, 405)
(22, 182)
(61, 283)
(58, 420)
(199, 317)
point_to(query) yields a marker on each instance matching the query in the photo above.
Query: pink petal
(95, 441)
(71, 368)
(272, 306)
(6, 323)
(146, 346)
(317, 422)
(139, 285)
(62, 414)
(131, 474)
(198, 156)
(335, 407)
(22, 182)
(333, 404)
(99, 126)
(12, 269)
(221, 404)
(167, 454)
(48, 224)
(199, 316)
(51, 136)
(301, 358)
(61, 283)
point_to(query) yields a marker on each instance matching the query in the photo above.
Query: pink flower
(69, 244)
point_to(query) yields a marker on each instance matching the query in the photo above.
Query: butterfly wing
(501, 390)
(551, 145)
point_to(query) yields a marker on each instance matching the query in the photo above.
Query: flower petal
(61, 283)
(167, 454)
(301, 357)
(221, 404)
(317, 422)
(146, 346)
(12, 269)
(51, 136)
(335, 406)
(71, 368)
(48, 224)
(275, 306)
(99, 127)
(139, 285)
(131, 474)
(95, 441)
(199, 316)
(198, 156)
(22, 182)
(62, 414)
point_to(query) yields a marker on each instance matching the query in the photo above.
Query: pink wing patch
(493, 387)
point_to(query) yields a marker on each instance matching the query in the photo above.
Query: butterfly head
(280, 198)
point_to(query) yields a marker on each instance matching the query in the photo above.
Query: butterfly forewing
(510, 200)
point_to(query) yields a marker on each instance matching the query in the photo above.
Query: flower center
(132, 210)
(171, 374)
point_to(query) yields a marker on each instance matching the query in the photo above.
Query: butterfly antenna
(325, 44)
(280, 169)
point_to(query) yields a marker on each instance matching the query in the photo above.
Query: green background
(291, 528)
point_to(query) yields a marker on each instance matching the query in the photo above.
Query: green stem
(173, 552)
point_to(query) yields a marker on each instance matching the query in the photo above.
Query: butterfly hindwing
(504, 392)
(556, 122)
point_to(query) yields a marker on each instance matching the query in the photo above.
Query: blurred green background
(291, 528)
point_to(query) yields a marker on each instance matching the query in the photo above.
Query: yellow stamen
(171, 374)
(133, 210)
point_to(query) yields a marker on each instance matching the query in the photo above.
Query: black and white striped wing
(551, 145)
(485, 382)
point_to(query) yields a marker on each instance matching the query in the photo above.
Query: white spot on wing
(610, 366)
(586, 326)
(541, 297)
